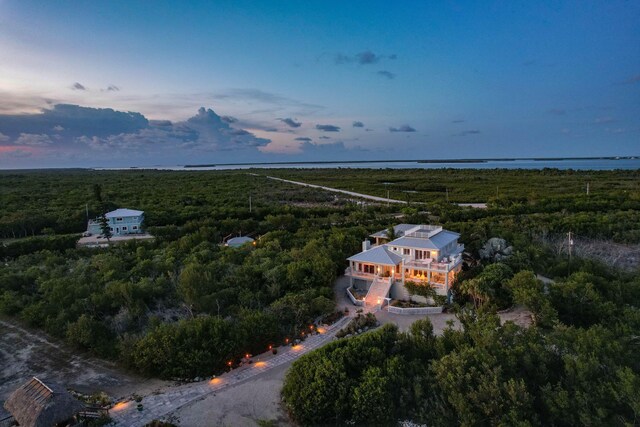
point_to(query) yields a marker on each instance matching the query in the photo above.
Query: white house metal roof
(399, 230)
(437, 241)
(237, 241)
(377, 255)
(123, 213)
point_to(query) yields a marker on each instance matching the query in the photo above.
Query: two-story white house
(121, 222)
(424, 254)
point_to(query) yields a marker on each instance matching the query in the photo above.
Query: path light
(230, 362)
(286, 340)
(247, 355)
(311, 327)
(120, 406)
(270, 347)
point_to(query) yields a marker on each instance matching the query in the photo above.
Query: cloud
(303, 139)
(328, 128)
(78, 86)
(228, 119)
(631, 80)
(275, 101)
(32, 139)
(366, 57)
(324, 137)
(126, 135)
(468, 132)
(58, 128)
(75, 120)
(113, 88)
(4, 138)
(290, 122)
(386, 74)
(357, 124)
(604, 120)
(458, 121)
(342, 59)
(403, 128)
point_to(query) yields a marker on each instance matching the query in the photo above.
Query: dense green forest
(576, 365)
(182, 305)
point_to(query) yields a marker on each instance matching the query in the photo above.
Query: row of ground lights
(286, 341)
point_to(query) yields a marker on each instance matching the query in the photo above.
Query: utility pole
(249, 203)
(387, 198)
(87, 210)
(587, 188)
(447, 190)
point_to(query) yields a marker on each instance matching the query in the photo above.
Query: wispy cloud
(604, 120)
(358, 124)
(291, 122)
(78, 86)
(631, 80)
(403, 128)
(328, 128)
(467, 132)
(366, 57)
(252, 96)
(112, 88)
(386, 74)
(35, 140)
(303, 139)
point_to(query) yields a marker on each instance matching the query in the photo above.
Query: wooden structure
(36, 404)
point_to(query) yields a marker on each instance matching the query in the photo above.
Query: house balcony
(432, 265)
(370, 276)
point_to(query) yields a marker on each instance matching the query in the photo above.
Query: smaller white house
(236, 242)
(122, 222)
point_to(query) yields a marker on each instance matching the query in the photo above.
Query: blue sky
(125, 83)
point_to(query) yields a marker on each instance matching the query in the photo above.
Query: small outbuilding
(36, 404)
(236, 242)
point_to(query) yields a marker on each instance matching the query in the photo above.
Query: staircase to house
(378, 291)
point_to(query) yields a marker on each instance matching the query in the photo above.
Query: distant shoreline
(347, 162)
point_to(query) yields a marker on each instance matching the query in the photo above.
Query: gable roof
(377, 255)
(123, 212)
(35, 404)
(436, 242)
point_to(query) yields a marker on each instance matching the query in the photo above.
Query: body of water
(576, 164)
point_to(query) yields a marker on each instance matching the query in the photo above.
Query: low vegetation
(184, 306)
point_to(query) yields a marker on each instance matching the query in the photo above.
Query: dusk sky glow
(124, 83)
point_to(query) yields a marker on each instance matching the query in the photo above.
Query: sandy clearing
(239, 405)
(25, 353)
